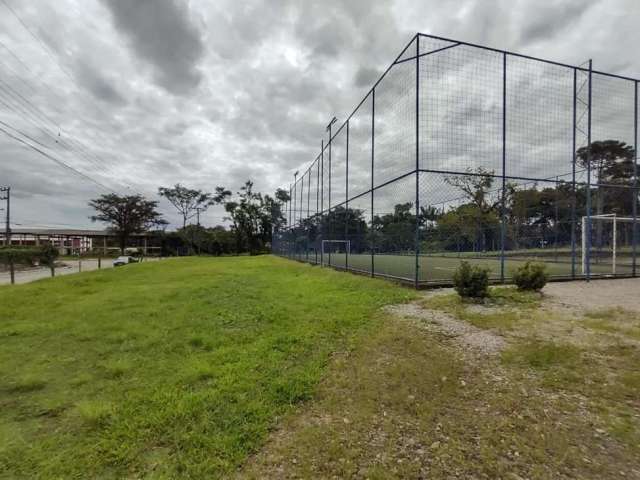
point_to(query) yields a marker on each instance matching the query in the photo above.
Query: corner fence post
(634, 192)
(573, 180)
(504, 163)
(373, 145)
(417, 239)
(587, 243)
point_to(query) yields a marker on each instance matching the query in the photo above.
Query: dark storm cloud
(162, 33)
(551, 18)
(100, 87)
(366, 77)
(256, 82)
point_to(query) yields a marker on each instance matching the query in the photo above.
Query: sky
(127, 96)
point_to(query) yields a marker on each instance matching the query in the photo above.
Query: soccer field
(440, 268)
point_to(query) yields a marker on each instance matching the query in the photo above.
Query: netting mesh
(464, 153)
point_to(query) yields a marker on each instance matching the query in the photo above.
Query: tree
(613, 164)
(254, 216)
(476, 186)
(396, 231)
(187, 201)
(126, 215)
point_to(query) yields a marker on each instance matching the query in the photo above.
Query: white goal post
(346, 243)
(609, 217)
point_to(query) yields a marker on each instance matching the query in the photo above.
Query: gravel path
(480, 341)
(595, 295)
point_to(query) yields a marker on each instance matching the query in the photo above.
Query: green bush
(531, 276)
(48, 254)
(471, 281)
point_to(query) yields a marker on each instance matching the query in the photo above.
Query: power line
(51, 54)
(44, 46)
(35, 113)
(56, 160)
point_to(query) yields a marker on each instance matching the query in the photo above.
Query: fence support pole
(321, 218)
(308, 213)
(587, 253)
(573, 179)
(346, 203)
(634, 234)
(504, 163)
(373, 144)
(417, 239)
(329, 193)
(317, 216)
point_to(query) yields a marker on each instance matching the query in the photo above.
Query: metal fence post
(587, 243)
(289, 226)
(346, 203)
(321, 218)
(573, 179)
(417, 239)
(634, 234)
(330, 222)
(504, 164)
(373, 146)
(308, 213)
(315, 248)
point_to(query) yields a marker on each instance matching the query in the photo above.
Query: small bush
(471, 281)
(531, 276)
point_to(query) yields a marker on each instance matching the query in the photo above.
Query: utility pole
(6, 195)
(198, 215)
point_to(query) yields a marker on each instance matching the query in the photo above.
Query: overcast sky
(138, 94)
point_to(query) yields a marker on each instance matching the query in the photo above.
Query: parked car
(124, 260)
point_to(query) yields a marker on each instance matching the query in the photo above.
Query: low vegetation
(531, 276)
(471, 281)
(408, 403)
(263, 368)
(167, 369)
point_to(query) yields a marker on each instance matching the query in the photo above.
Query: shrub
(531, 276)
(48, 254)
(471, 281)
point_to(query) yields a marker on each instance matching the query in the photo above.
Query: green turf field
(440, 269)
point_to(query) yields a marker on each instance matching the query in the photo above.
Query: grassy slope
(167, 369)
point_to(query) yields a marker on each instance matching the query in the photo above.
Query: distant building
(72, 241)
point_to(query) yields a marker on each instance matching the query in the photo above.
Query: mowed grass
(178, 368)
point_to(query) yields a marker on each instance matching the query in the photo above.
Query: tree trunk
(123, 243)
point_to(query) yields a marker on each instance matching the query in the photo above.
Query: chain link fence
(463, 152)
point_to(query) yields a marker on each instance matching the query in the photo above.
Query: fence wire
(462, 152)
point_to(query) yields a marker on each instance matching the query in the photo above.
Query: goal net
(607, 244)
(334, 251)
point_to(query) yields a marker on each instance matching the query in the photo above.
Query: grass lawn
(178, 368)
